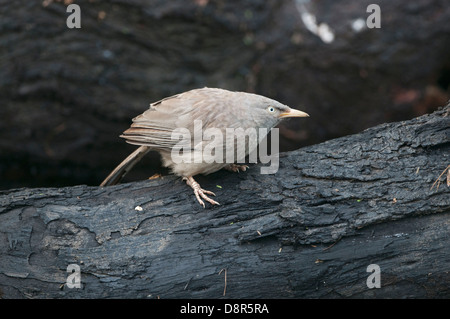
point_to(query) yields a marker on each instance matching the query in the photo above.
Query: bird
(201, 109)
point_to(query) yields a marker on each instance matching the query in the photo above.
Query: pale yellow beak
(293, 113)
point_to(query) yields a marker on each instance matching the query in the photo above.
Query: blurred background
(67, 94)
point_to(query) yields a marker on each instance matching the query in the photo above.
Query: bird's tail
(123, 168)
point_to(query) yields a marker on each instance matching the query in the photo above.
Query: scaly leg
(200, 192)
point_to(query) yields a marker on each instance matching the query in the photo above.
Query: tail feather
(127, 164)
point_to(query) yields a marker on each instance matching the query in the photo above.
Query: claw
(235, 168)
(200, 192)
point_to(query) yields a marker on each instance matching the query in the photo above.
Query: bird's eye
(271, 109)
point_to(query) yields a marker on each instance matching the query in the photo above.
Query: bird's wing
(154, 127)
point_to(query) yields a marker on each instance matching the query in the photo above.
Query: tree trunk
(311, 230)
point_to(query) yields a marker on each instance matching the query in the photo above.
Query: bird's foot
(155, 176)
(200, 192)
(235, 168)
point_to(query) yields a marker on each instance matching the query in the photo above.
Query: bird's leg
(235, 168)
(200, 192)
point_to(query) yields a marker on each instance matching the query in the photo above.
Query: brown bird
(189, 115)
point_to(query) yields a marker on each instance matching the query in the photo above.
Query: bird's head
(268, 112)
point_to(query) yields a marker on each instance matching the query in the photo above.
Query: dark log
(311, 230)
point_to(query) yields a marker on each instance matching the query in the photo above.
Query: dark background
(67, 94)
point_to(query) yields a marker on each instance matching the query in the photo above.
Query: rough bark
(311, 230)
